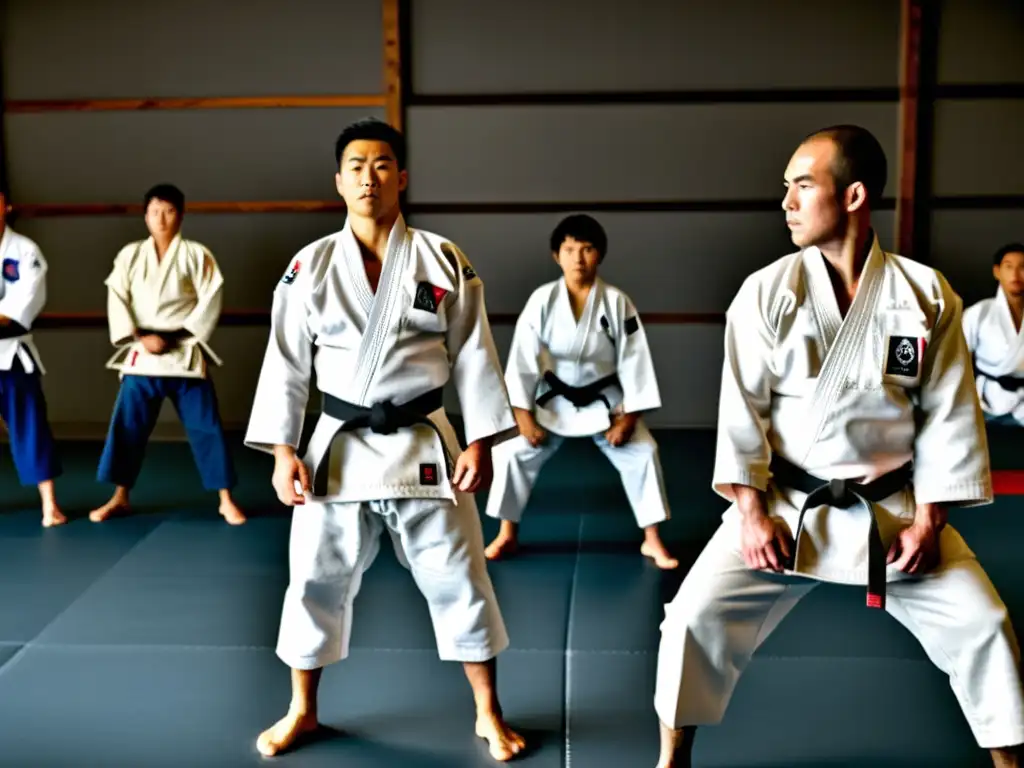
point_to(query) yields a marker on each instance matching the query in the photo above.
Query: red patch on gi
(428, 297)
(11, 272)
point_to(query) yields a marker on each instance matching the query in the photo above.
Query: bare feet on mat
(657, 552)
(118, 505)
(283, 734)
(506, 543)
(504, 743)
(52, 516)
(230, 512)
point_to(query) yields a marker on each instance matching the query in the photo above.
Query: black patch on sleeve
(632, 325)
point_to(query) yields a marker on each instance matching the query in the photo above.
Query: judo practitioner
(996, 340)
(163, 303)
(22, 403)
(388, 315)
(848, 424)
(580, 366)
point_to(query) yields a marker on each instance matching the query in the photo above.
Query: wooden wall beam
(394, 70)
(918, 44)
(50, 210)
(24, 106)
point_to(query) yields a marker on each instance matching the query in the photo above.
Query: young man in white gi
(996, 340)
(163, 303)
(580, 366)
(848, 422)
(22, 402)
(388, 315)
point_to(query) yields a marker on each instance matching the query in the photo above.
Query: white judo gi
(426, 325)
(183, 290)
(998, 349)
(607, 348)
(22, 297)
(838, 398)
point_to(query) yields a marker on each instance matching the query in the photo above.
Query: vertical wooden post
(918, 42)
(393, 81)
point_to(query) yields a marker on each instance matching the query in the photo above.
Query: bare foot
(230, 512)
(284, 734)
(503, 545)
(504, 743)
(116, 506)
(53, 516)
(657, 552)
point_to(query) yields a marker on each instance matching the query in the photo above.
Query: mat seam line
(567, 667)
(106, 572)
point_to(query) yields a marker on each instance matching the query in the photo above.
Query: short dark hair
(580, 227)
(168, 193)
(859, 157)
(371, 129)
(999, 255)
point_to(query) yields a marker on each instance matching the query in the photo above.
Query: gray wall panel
(606, 45)
(978, 147)
(238, 154)
(963, 243)
(253, 250)
(70, 49)
(667, 262)
(980, 41)
(696, 152)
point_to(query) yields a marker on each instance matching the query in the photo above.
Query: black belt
(578, 396)
(1009, 383)
(845, 494)
(383, 418)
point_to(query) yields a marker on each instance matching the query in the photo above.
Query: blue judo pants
(23, 410)
(135, 414)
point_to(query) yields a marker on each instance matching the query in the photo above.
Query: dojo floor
(148, 641)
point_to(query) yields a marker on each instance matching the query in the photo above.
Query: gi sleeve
(476, 368)
(525, 358)
(282, 391)
(209, 286)
(120, 317)
(25, 296)
(635, 365)
(951, 460)
(743, 453)
(971, 324)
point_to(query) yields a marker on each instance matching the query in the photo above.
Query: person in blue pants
(163, 304)
(22, 402)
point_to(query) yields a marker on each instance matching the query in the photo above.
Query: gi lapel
(841, 354)
(1014, 358)
(356, 271)
(383, 313)
(586, 321)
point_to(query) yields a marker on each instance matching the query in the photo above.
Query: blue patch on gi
(11, 272)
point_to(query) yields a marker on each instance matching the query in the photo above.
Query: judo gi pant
(724, 611)
(23, 410)
(333, 544)
(517, 465)
(135, 414)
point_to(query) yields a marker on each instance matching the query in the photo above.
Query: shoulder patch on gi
(468, 273)
(428, 474)
(428, 297)
(903, 356)
(292, 273)
(11, 270)
(632, 325)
